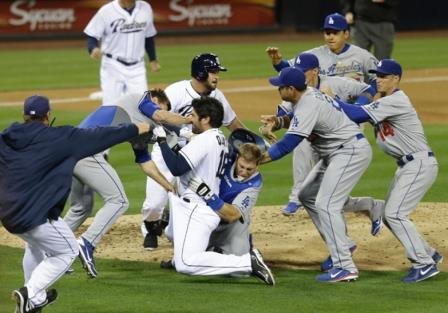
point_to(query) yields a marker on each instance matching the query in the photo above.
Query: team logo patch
(374, 105)
(245, 203)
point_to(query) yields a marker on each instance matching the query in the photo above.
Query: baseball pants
(98, 174)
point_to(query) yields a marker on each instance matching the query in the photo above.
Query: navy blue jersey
(36, 167)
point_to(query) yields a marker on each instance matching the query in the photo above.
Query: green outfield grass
(143, 287)
(68, 68)
(129, 287)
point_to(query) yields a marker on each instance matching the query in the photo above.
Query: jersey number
(385, 130)
(222, 162)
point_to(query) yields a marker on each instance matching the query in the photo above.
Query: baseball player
(197, 210)
(239, 188)
(98, 174)
(343, 88)
(36, 166)
(399, 133)
(205, 69)
(344, 156)
(125, 29)
(336, 58)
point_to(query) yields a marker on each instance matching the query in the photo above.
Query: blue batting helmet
(204, 63)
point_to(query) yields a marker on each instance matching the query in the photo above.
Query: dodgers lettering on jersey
(206, 154)
(353, 62)
(117, 28)
(345, 89)
(318, 115)
(181, 94)
(398, 128)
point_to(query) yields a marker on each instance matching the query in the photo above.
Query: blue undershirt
(284, 146)
(176, 163)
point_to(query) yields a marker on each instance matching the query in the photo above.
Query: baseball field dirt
(287, 241)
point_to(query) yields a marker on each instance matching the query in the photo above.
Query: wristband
(215, 203)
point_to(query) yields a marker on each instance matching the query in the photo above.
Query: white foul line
(227, 91)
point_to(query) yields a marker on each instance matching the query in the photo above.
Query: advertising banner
(30, 18)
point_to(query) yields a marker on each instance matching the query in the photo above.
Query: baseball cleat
(291, 209)
(151, 242)
(418, 274)
(337, 275)
(21, 298)
(327, 265)
(167, 265)
(377, 225)
(437, 257)
(86, 256)
(260, 269)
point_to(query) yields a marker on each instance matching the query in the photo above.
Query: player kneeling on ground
(195, 210)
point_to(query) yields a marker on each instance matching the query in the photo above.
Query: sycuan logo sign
(200, 14)
(42, 18)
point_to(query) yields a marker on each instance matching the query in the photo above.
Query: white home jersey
(206, 154)
(122, 34)
(398, 129)
(321, 120)
(353, 62)
(181, 94)
(344, 88)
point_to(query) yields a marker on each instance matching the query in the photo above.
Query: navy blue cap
(36, 106)
(289, 76)
(388, 67)
(335, 21)
(306, 61)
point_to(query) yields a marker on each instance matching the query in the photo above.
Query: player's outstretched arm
(152, 171)
(168, 117)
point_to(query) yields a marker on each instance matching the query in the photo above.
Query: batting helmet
(240, 136)
(204, 63)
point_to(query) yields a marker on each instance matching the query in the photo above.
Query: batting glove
(160, 134)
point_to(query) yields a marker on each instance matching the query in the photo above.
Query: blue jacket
(36, 168)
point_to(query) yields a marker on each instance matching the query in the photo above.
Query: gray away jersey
(355, 62)
(318, 117)
(345, 89)
(398, 129)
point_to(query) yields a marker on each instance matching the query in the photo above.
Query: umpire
(36, 167)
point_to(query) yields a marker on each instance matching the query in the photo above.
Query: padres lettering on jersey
(123, 34)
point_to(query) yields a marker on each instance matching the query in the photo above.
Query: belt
(110, 56)
(186, 200)
(410, 157)
(358, 137)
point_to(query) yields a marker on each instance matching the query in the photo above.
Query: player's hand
(274, 54)
(327, 90)
(143, 128)
(186, 133)
(154, 66)
(266, 131)
(96, 53)
(200, 187)
(268, 119)
(160, 134)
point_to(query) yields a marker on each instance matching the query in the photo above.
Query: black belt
(410, 158)
(110, 56)
(186, 200)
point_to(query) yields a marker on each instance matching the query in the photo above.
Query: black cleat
(260, 269)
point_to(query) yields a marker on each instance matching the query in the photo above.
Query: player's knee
(305, 196)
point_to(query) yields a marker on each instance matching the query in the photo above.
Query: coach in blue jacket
(36, 167)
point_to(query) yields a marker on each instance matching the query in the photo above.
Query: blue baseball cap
(289, 76)
(388, 67)
(306, 61)
(36, 106)
(335, 21)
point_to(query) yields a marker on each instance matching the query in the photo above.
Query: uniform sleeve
(229, 114)
(194, 151)
(348, 89)
(245, 201)
(384, 108)
(96, 26)
(304, 119)
(151, 29)
(86, 142)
